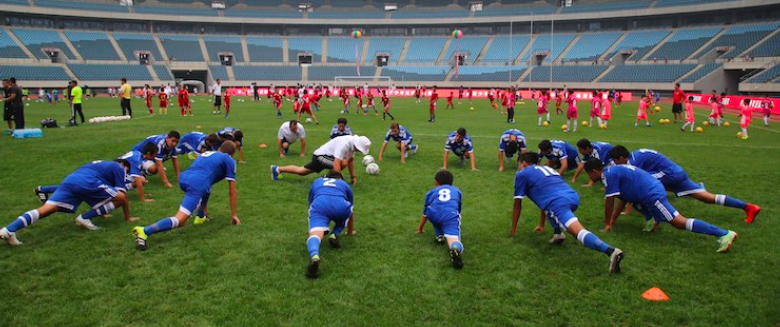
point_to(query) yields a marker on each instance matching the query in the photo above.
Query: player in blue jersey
(101, 184)
(558, 201)
(512, 141)
(340, 129)
(633, 185)
(560, 155)
(674, 178)
(403, 141)
(459, 142)
(140, 163)
(166, 149)
(442, 208)
(330, 200)
(235, 135)
(195, 143)
(207, 170)
(588, 149)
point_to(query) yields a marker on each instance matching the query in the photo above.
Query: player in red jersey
(359, 98)
(386, 103)
(278, 104)
(148, 94)
(460, 95)
(745, 115)
(677, 103)
(306, 107)
(371, 103)
(471, 93)
(449, 101)
(492, 98)
(558, 101)
(345, 100)
(434, 99)
(541, 107)
(417, 93)
(227, 103)
(766, 107)
(184, 98)
(163, 102)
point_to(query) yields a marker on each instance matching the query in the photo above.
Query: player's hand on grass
(354, 180)
(500, 169)
(133, 219)
(573, 180)
(281, 156)
(474, 169)
(302, 155)
(168, 185)
(381, 159)
(539, 229)
(235, 221)
(148, 200)
(606, 228)
(587, 185)
(241, 161)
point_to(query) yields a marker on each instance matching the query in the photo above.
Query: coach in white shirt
(289, 133)
(216, 91)
(335, 155)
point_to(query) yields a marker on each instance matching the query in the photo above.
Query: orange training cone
(655, 294)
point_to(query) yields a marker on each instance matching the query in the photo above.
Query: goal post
(352, 81)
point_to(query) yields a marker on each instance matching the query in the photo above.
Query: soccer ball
(661, 121)
(564, 127)
(657, 109)
(308, 120)
(739, 134)
(727, 124)
(372, 169)
(368, 160)
(706, 123)
(584, 123)
(546, 123)
(699, 130)
(602, 126)
(472, 108)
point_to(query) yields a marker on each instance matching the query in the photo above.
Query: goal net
(352, 81)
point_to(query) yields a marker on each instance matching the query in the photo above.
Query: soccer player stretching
(330, 200)
(166, 147)
(512, 141)
(558, 201)
(337, 154)
(634, 185)
(588, 149)
(560, 155)
(442, 208)
(100, 184)
(403, 140)
(210, 168)
(459, 142)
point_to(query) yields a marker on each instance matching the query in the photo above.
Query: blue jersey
(505, 139)
(543, 185)
(335, 132)
(655, 163)
(163, 151)
(229, 131)
(194, 142)
(109, 173)
(561, 151)
(136, 160)
(600, 151)
(325, 189)
(403, 135)
(443, 201)
(632, 184)
(458, 148)
(210, 168)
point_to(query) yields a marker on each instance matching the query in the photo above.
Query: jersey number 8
(444, 195)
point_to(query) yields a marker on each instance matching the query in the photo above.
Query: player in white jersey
(335, 155)
(289, 133)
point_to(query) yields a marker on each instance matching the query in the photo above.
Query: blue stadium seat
(37, 40)
(17, 2)
(82, 6)
(424, 49)
(640, 41)
(91, 72)
(470, 44)
(182, 47)
(163, 73)
(129, 43)
(683, 43)
(342, 49)
(488, 73)
(254, 13)
(428, 13)
(8, 48)
(388, 45)
(542, 43)
(767, 76)
(502, 50)
(35, 73)
(265, 48)
(606, 6)
(366, 14)
(584, 74)
(740, 37)
(218, 72)
(591, 46)
(328, 73)
(92, 45)
(176, 11)
(516, 11)
(220, 43)
(701, 72)
(674, 3)
(646, 73)
(770, 48)
(304, 44)
(272, 73)
(416, 73)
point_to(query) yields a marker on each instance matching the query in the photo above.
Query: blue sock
(102, 210)
(164, 224)
(730, 202)
(25, 220)
(201, 213)
(49, 189)
(554, 223)
(313, 244)
(702, 227)
(592, 242)
(457, 245)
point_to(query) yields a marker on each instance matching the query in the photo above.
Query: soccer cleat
(414, 148)
(275, 172)
(201, 220)
(614, 261)
(334, 241)
(752, 211)
(313, 271)
(85, 223)
(9, 237)
(140, 238)
(744, 137)
(440, 239)
(558, 239)
(649, 224)
(457, 259)
(43, 197)
(726, 241)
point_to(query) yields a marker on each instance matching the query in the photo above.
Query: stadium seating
(516, 11)
(182, 47)
(348, 3)
(129, 43)
(416, 73)
(326, 73)
(471, 45)
(365, 14)
(582, 74)
(488, 73)
(672, 3)
(90, 72)
(430, 13)
(253, 13)
(741, 38)
(388, 45)
(36, 40)
(767, 76)
(265, 49)
(92, 45)
(683, 43)
(590, 46)
(216, 44)
(342, 49)
(542, 43)
(499, 50)
(701, 72)
(8, 48)
(176, 11)
(424, 49)
(35, 73)
(275, 73)
(641, 41)
(312, 44)
(82, 6)
(163, 73)
(17, 2)
(607, 6)
(218, 72)
(647, 73)
(769, 48)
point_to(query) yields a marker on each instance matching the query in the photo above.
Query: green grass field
(223, 275)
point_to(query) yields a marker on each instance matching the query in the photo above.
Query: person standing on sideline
(677, 99)
(14, 106)
(8, 111)
(124, 94)
(76, 94)
(216, 91)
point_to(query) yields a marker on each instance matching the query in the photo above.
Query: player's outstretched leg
(8, 233)
(593, 242)
(165, 224)
(725, 237)
(751, 210)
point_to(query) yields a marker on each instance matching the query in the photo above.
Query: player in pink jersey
(449, 101)
(745, 115)
(606, 111)
(688, 115)
(595, 108)
(714, 116)
(641, 113)
(571, 113)
(766, 107)
(541, 107)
